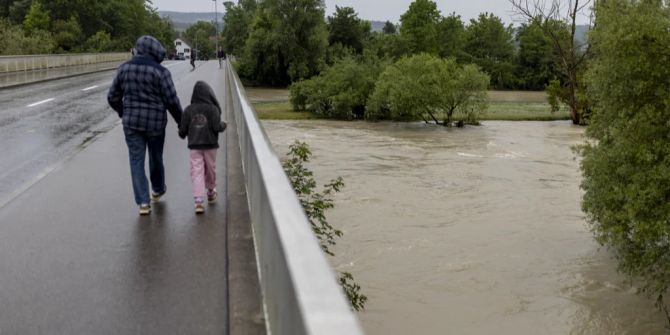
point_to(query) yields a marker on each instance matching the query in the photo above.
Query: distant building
(182, 48)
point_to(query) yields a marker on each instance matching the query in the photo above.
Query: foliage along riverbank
(273, 104)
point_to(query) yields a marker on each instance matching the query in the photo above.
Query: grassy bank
(273, 104)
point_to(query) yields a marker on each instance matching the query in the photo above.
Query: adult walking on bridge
(140, 94)
(221, 55)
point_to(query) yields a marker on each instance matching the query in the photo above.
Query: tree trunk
(574, 105)
(433, 117)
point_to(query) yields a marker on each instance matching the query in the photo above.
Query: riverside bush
(339, 92)
(626, 161)
(431, 89)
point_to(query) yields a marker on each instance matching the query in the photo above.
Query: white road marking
(41, 102)
(89, 88)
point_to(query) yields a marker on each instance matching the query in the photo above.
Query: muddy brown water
(468, 231)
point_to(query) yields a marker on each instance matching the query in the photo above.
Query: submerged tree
(626, 163)
(429, 88)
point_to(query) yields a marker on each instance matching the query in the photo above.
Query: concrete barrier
(38, 62)
(300, 291)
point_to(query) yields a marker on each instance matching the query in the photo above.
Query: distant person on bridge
(193, 56)
(140, 94)
(221, 55)
(201, 122)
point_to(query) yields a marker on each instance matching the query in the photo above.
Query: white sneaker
(145, 209)
(156, 196)
(199, 208)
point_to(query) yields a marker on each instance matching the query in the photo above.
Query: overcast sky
(379, 10)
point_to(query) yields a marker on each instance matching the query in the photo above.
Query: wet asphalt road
(75, 257)
(42, 124)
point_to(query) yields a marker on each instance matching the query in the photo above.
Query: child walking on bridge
(202, 123)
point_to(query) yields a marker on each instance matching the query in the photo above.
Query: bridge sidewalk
(77, 258)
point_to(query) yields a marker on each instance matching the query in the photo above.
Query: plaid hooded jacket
(143, 89)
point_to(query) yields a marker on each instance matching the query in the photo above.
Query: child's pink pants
(203, 172)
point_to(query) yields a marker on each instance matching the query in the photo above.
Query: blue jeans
(138, 142)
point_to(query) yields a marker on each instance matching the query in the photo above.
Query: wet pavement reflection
(76, 257)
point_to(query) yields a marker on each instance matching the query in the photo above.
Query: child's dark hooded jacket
(201, 121)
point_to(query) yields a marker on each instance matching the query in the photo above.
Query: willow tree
(429, 88)
(626, 163)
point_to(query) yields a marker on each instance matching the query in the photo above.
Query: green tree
(75, 23)
(536, 59)
(160, 28)
(626, 160)
(288, 42)
(571, 56)
(68, 34)
(14, 42)
(419, 26)
(36, 19)
(100, 42)
(18, 10)
(202, 34)
(488, 42)
(345, 28)
(386, 46)
(451, 36)
(389, 28)
(429, 88)
(316, 203)
(237, 22)
(341, 91)
(4, 7)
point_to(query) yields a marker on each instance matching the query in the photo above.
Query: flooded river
(468, 231)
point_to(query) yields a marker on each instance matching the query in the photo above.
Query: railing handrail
(70, 54)
(300, 292)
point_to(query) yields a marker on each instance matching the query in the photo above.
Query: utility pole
(216, 25)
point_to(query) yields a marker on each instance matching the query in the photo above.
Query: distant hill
(377, 25)
(183, 20)
(581, 33)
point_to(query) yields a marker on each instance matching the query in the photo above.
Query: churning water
(468, 231)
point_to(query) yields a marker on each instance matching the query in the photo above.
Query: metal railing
(300, 291)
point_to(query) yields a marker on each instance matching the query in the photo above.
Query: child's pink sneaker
(199, 208)
(212, 195)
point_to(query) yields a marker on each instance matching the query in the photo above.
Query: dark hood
(150, 46)
(203, 94)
